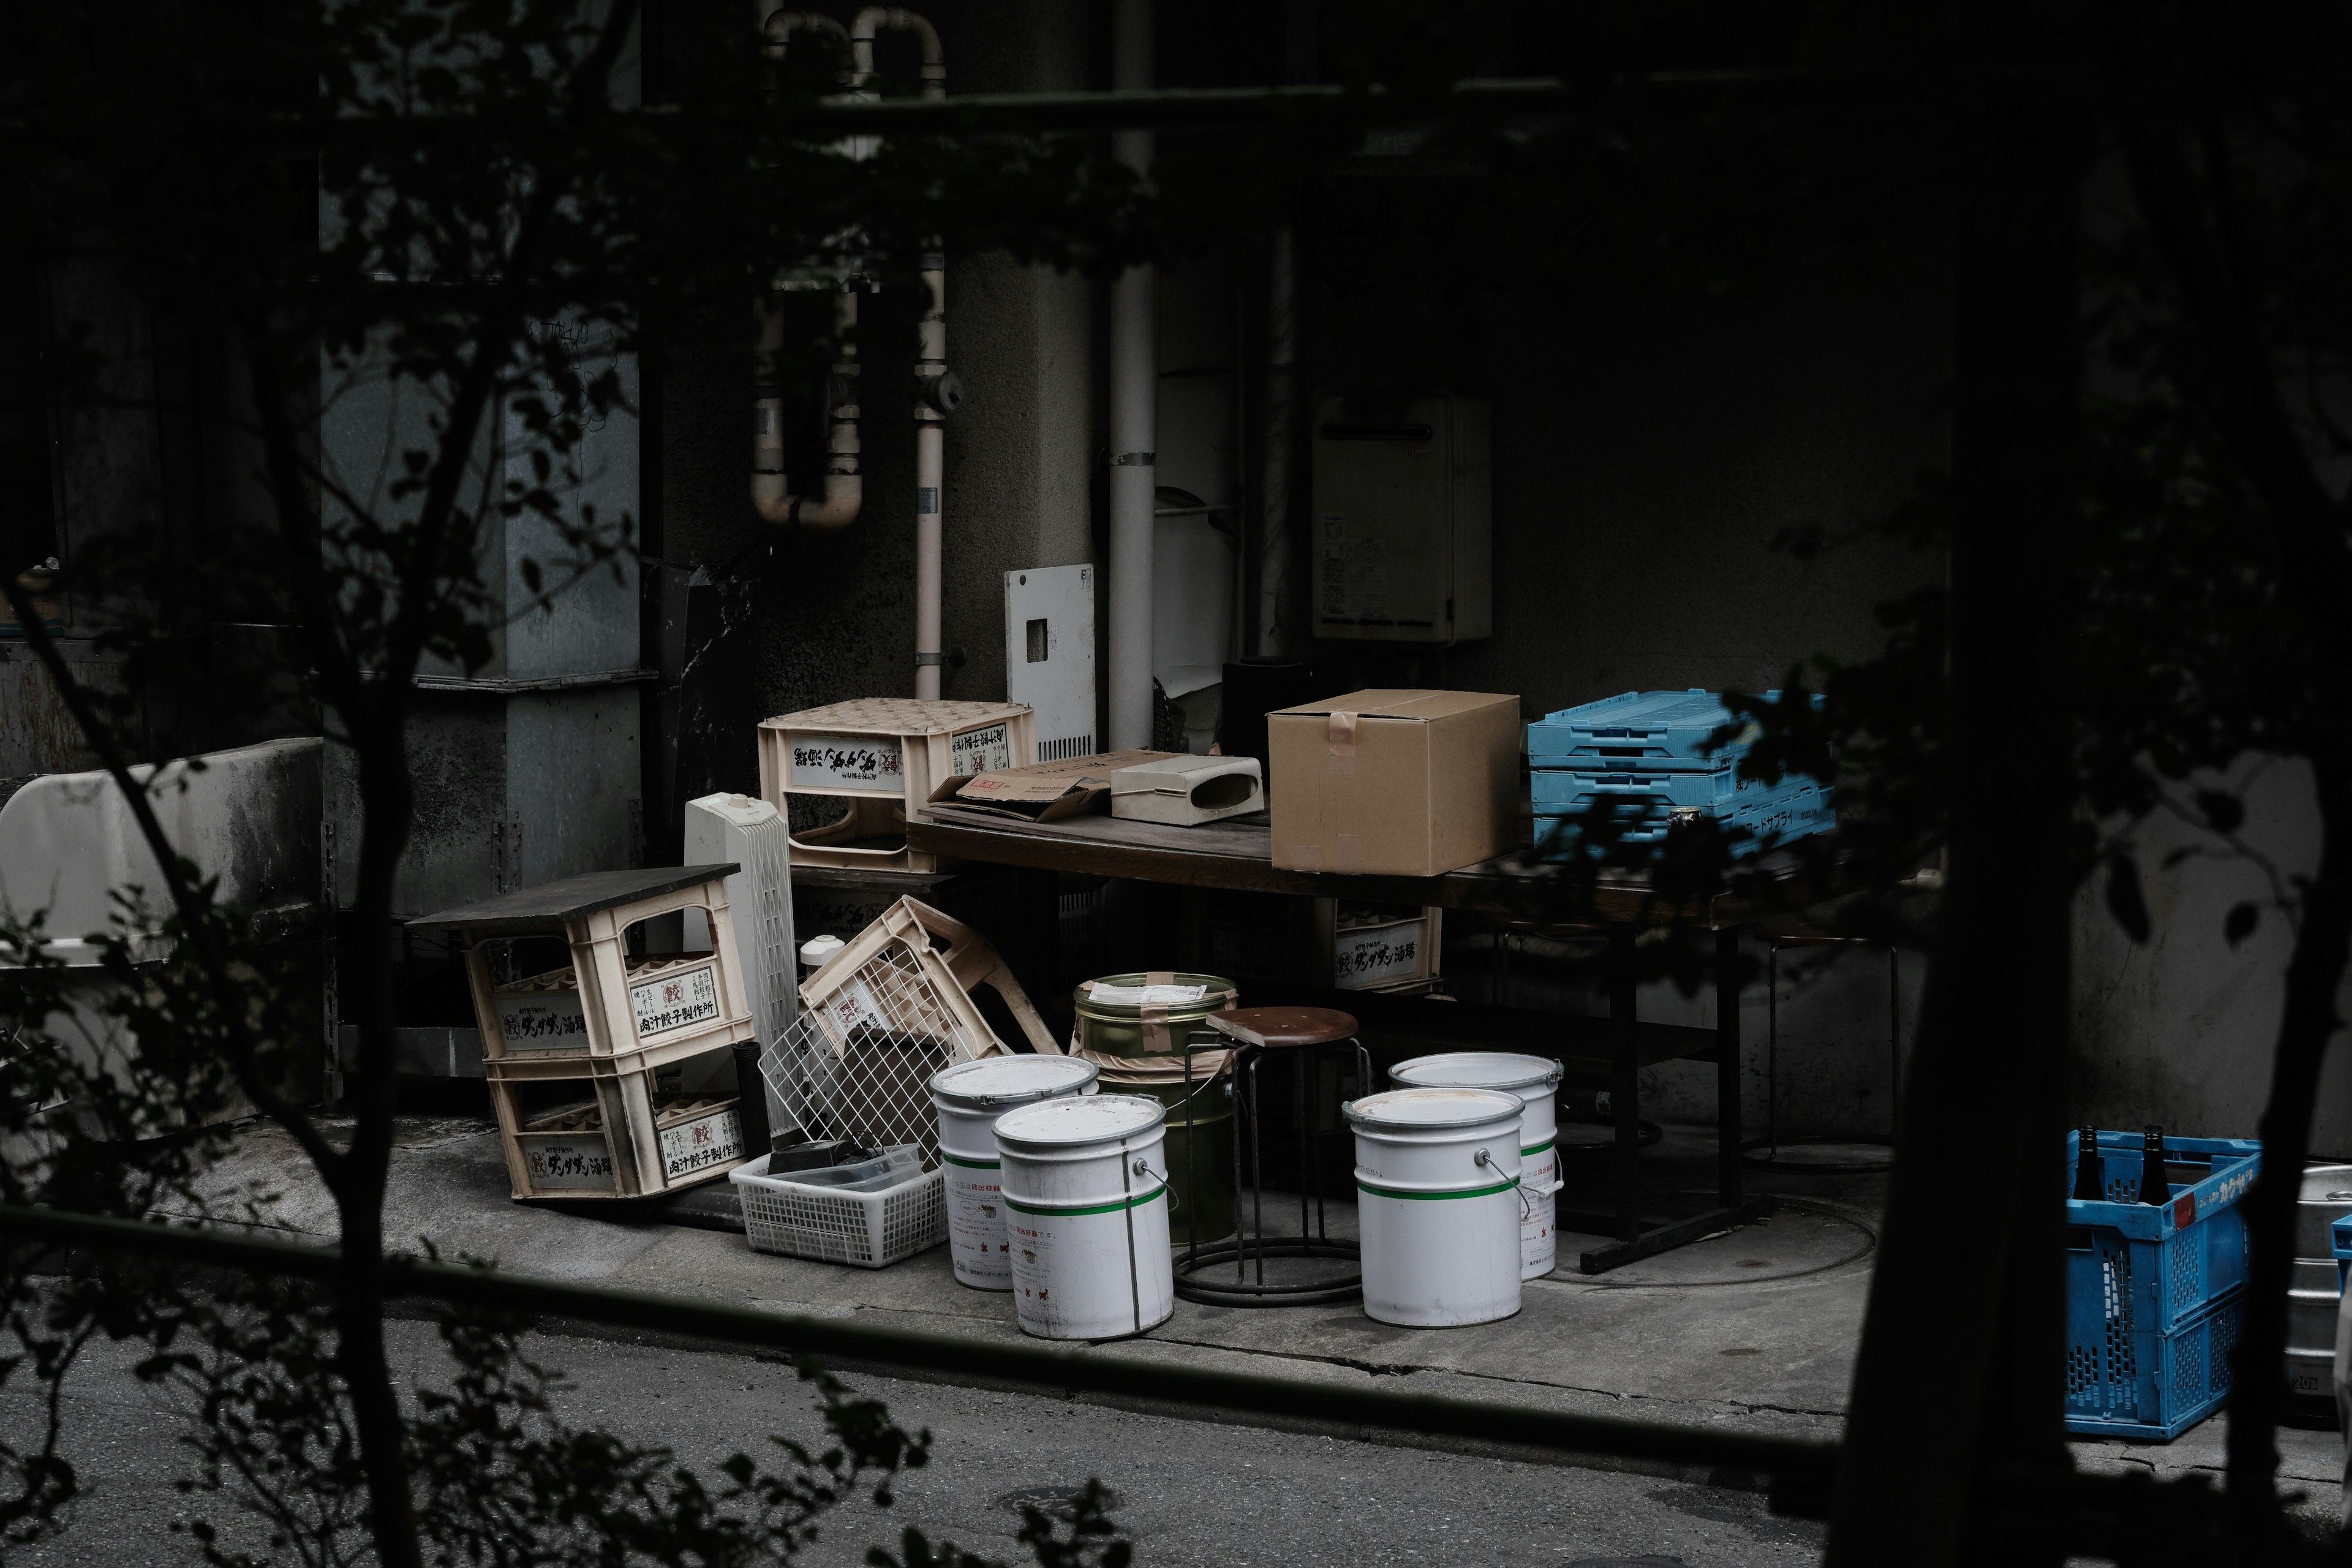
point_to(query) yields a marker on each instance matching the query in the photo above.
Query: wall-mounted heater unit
(1403, 522)
(1049, 654)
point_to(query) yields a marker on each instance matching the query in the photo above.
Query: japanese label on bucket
(853, 762)
(674, 1001)
(1374, 955)
(543, 1021)
(697, 1145)
(979, 751)
(567, 1164)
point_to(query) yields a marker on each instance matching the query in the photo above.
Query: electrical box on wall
(1049, 654)
(1405, 522)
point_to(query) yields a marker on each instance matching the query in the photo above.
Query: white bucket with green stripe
(1437, 1198)
(1085, 1199)
(971, 1096)
(1536, 1080)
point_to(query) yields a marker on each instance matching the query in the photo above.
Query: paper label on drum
(543, 1021)
(979, 750)
(1536, 1242)
(851, 762)
(697, 1145)
(976, 1223)
(673, 1001)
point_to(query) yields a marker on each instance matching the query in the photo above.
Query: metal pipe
(937, 390)
(1134, 420)
(845, 486)
(1057, 1368)
(1274, 629)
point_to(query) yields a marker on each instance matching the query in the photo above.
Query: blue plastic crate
(1795, 808)
(1649, 730)
(2154, 1290)
(1558, 791)
(2340, 1241)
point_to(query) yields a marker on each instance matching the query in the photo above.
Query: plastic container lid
(817, 949)
(1011, 1080)
(1478, 1069)
(1094, 1119)
(1434, 1107)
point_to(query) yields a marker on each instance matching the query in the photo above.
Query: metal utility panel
(1049, 654)
(1405, 522)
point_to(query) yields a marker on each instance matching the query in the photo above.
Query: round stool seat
(1274, 1027)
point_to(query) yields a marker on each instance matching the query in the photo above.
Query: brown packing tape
(1339, 742)
(1155, 1023)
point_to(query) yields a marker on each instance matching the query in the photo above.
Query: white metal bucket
(969, 1097)
(1086, 1195)
(1534, 1079)
(1437, 1196)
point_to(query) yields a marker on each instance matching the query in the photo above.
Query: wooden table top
(1237, 854)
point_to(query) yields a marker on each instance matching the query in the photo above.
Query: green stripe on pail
(1017, 1207)
(971, 1164)
(1539, 1148)
(1431, 1197)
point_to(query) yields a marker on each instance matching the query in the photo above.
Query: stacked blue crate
(2155, 1292)
(1643, 756)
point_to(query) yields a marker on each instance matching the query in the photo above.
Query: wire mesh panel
(859, 1062)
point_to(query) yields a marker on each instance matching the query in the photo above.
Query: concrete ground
(1754, 1329)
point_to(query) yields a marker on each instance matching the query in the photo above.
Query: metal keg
(2326, 1196)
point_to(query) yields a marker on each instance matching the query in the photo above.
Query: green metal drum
(1199, 1150)
(1116, 1029)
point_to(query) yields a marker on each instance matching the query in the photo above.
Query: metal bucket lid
(1009, 1081)
(1479, 1070)
(1434, 1107)
(1094, 1118)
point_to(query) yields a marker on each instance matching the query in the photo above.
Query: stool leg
(1772, 1049)
(1894, 1045)
(1257, 1172)
(1305, 1136)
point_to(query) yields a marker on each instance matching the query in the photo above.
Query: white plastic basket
(869, 1230)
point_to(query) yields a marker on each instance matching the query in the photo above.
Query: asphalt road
(1187, 1491)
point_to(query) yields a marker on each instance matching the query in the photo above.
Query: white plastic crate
(866, 1230)
(877, 761)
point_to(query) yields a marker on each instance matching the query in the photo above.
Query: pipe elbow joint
(942, 393)
(844, 494)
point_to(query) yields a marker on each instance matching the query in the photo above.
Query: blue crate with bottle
(1644, 732)
(2156, 1278)
(1796, 807)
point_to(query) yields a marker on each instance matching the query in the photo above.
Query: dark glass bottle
(2153, 1188)
(2088, 1176)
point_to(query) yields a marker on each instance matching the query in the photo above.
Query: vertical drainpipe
(1274, 630)
(1134, 415)
(937, 389)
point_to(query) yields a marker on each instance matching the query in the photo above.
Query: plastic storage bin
(2155, 1292)
(1647, 731)
(1795, 808)
(869, 1222)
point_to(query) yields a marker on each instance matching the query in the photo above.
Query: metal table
(1237, 855)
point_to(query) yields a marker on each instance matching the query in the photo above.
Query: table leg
(1624, 1081)
(1727, 1066)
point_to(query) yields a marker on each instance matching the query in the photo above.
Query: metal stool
(1305, 1033)
(1764, 1152)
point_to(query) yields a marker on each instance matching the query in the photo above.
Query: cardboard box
(1397, 784)
(1044, 792)
(1187, 790)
